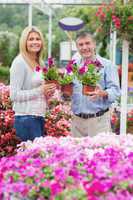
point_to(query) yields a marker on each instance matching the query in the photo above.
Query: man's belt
(86, 116)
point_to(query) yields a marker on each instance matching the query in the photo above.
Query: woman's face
(34, 43)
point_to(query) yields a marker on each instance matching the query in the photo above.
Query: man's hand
(98, 93)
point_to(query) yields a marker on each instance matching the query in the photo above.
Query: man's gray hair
(84, 34)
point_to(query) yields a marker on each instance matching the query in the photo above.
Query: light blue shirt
(109, 82)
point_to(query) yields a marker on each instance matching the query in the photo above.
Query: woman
(28, 91)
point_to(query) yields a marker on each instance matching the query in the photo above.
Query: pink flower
(37, 68)
(116, 21)
(55, 188)
(83, 70)
(45, 70)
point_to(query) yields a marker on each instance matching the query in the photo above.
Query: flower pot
(53, 81)
(67, 89)
(87, 89)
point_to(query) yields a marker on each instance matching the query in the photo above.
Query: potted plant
(89, 75)
(67, 85)
(66, 79)
(50, 73)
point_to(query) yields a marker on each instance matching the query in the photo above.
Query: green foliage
(8, 47)
(52, 74)
(66, 79)
(4, 74)
(12, 16)
(15, 17)
(103, 48)
(91, 77)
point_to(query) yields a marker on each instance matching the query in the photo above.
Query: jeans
(29, 127)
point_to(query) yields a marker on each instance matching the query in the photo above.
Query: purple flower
(37, 68)
(98, 63)
(72, 62)
(50, 62)
(69, 68)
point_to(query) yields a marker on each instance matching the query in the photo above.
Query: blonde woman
(28, 91)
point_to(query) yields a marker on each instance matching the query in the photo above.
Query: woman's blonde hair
(23, 45)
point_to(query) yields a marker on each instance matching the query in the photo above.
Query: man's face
(86, 47)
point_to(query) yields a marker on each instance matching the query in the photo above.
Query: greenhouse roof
(54, 2)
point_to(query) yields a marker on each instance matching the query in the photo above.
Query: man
(91, 113)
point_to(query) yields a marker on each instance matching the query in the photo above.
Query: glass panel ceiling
(55, 1)
(77, 1)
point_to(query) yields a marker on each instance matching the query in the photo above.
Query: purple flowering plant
(49, 72)
(89, 74)
(69, 74)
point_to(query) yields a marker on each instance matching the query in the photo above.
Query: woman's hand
(48, 89)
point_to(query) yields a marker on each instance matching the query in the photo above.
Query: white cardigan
(25, 91)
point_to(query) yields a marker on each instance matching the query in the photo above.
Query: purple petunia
(38, 68)
(69, 68)
(83, 69)
(50, 62)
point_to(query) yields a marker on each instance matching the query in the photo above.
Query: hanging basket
(87, 89)
(67, 90)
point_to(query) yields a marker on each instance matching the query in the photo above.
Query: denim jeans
(29, 127)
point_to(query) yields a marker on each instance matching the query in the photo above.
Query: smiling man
(91, 113)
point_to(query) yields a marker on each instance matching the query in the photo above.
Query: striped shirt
(25, 89)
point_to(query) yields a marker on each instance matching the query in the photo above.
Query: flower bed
(66, 168)
(58, 120)
(8, 139)
(5, 102)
